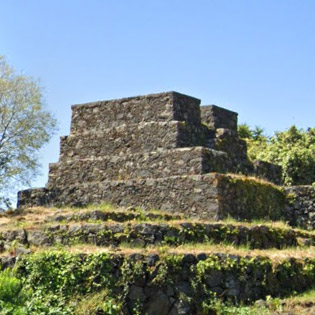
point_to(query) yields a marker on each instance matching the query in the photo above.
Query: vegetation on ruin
(59, 282)
(249, 191)
(293, 149)
(86, 278)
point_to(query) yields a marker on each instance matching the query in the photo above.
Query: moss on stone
(247, 198)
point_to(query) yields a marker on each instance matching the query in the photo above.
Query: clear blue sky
(255, 57)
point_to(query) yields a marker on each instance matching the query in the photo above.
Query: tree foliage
(293, 149)
(25, 126)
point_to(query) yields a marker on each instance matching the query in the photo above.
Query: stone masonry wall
(211, 196)
(227, 140)
(245, 198)
(132, 138)
(151, 151)
(174, 284)
(300, 210)
(217, 117)
(160, 107)
(159, 164)
(267, 170)
(194, 195)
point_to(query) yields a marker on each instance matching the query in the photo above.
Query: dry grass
(301, 304)
(275, 255)
(306, 297)
(36, 216)
(25, 218)
(252, 178)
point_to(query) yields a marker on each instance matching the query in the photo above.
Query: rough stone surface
(245, 198)
(195, 195)
(161, 107)
(227, 140)
(154, 151)
(300, 210)
(159, 164)
(217, 117)
(268, 170)
(133, 138)
(152, 234)
(178, 286)
(208, 196)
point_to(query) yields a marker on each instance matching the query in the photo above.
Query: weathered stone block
(133, 110)
(300, 208)
(268, 171)
(228, 141)
(127, 139)
(210, 196)
(217, 117)
(182, 161)
(245, 198)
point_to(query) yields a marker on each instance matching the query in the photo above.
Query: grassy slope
(36, 218)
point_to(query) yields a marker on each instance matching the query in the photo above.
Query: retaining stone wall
(194, 195)
(126, 139)
(182, 161)
(300, 210)
(211, 196)
(174, 284)
(146, 234)
(248, 199)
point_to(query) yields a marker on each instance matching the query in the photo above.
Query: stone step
(154, 107)
(157, 234)
(128, 139)
(173, 283)
(182, 161)
(237, 232)
(211, 196)
(110, 226)
(113, 216)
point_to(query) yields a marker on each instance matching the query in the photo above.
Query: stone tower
(159, 151)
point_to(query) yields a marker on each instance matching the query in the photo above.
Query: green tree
(25, 126)
(293, 149)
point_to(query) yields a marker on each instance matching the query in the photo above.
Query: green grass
(306, 297)
(98, 303)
